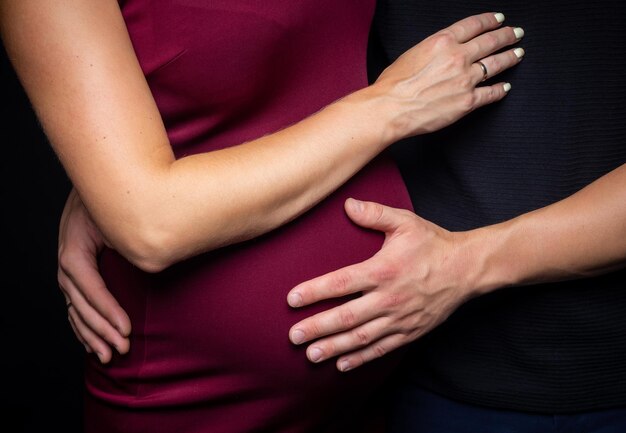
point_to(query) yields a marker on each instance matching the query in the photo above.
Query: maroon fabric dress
(209, 348)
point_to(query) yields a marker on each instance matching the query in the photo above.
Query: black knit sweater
(549, 348)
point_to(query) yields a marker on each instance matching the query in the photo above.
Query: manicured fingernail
(519, 52)
(507, 87)
(519, 32)
(294, 299)
(499, 17)
(315, 354)
(297, 336)
(100, 355)
(345, 366)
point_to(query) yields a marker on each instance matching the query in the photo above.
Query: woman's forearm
(81, 74)
(241, 192)
(77, 64)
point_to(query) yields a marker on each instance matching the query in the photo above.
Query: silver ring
(484, 68)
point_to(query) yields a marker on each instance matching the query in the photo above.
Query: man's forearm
(580, 236)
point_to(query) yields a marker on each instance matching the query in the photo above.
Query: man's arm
(424, 272)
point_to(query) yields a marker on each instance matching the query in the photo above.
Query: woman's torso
(210, 348)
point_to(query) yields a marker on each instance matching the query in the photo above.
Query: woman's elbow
(149, 249)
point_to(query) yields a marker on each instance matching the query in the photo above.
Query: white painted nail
(519, 52)
(507, 87)
(499, 17)
(519, 32)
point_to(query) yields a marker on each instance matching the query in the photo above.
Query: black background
(40, 359)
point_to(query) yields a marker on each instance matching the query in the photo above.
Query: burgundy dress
(209, 348)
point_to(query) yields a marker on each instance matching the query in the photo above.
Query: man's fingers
(342, 282)
(339, 319)
(470, 27)
(373, 351)
(375, 216)
(349, 341)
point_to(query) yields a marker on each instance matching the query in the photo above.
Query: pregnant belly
(212, 332)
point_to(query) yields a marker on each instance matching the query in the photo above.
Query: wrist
(491, 262)
(379, 111)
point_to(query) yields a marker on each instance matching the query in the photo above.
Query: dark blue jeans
(419, 411)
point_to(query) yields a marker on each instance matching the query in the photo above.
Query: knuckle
(313, 329)
(347, 318)
(475, 22)
(391, 301)
(66, 259)
(327, 349)
(409, 327)
(361, 337)
(491, 94)
(384, 272)
(468, 102)
(379, 350)
(378, 212)
(443, 39)
(339, 282)
(466, 82)
(457, 60)
(491, 40)
(496, 65)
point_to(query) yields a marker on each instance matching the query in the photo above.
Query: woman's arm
(79, 69)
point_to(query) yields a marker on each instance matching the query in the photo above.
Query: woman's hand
(435, 83)
(96, 318)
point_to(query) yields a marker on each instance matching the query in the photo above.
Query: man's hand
(96, 318)
(418, 278)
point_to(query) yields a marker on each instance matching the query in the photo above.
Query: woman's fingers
(76, 333)
(488, 43)
(495, 64)
(88, 337)
(490, 66)
(470, 27)
(90, 317)
(489, 94)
